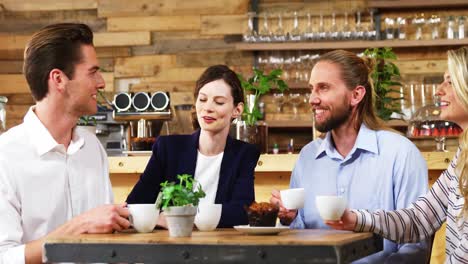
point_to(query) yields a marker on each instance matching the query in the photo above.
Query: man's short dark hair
(56, 46)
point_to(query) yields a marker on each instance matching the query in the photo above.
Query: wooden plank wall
(160, 45)
(148, 45)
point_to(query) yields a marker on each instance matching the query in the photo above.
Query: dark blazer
(177, 154)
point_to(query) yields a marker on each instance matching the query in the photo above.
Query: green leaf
(276, 73)
(260, 84)
(179, 194)
(385, 75)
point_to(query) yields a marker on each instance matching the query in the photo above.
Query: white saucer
(261, 230)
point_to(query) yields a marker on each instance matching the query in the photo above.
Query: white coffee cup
(293, 198)
(330, 207)
(208, 216)
(143, 217)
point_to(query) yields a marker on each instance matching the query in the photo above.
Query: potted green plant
(254, 87)
(88, 122)
(385, 76)
(179, 204)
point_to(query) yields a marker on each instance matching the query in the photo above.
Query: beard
(338, 117)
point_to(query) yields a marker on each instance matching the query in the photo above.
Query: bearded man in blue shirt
(359, 157)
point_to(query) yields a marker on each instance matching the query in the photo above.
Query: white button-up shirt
(43, 185)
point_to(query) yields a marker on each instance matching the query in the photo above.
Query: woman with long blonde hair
(448, 198)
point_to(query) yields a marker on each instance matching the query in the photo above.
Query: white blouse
(207, 175)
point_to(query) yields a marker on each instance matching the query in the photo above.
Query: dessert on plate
(262, 214)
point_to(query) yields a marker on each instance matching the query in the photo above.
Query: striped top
(424, 217)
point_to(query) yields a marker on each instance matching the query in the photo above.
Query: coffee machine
(144, 115)
(111, 133)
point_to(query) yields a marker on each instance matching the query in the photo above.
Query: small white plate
(261, 230)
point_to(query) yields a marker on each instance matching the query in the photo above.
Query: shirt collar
(366, 140)
(43, 141)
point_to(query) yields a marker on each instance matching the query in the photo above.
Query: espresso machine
(111, 133)
(143, 115)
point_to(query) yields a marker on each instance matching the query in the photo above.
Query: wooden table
(220, 246)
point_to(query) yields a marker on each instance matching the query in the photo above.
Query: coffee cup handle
(130, 219)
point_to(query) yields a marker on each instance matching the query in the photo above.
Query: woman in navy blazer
(219, 99)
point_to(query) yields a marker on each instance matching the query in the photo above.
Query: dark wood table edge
(176, 253)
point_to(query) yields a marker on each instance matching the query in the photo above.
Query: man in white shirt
(53, 175)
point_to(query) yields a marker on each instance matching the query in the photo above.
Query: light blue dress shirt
(384, 170)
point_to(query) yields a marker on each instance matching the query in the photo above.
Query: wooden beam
(20, 99)
(163, 86)
(315, 7)
(226, 24)
(354, 44)
(13, 84)
(208, 58)
(11, 54)
(11, 66)
(13, 42)
(107, 39)
(142, 65)
(102, 52)
(122, 39)
(154, 23)
(173, 46)
(47, 5)
(181, 35)
(180, 98)
(17, 84)
(27, 22)
(13, 122)
(122, 8)
(106, 64)
(175, 74)
(112, 52)
(16, 112)
(423, 67)
(109, 80)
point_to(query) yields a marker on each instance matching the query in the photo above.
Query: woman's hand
(347, 222)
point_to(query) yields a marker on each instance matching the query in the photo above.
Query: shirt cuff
(13, 255)
(364, 221)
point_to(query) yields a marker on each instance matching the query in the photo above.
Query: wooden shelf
(397, 123)
(296, 85)
(349, 44)
(430, 137)
(308, 123)
(401, 4)
(128, 116)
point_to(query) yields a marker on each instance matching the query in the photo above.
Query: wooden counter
(272, 172)
(266, 163)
